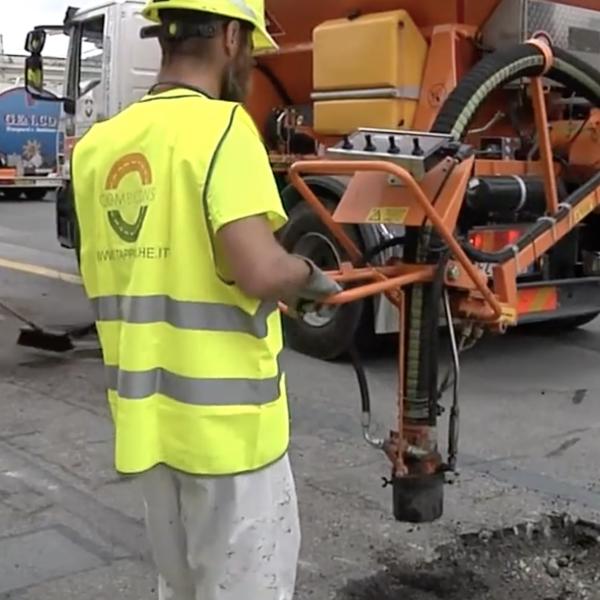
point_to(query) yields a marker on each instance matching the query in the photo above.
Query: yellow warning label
(509, 314)
(583, 210)
(391, 214)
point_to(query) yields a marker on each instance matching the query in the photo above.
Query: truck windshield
(85, 56)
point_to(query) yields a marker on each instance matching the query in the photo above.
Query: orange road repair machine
(441, 189)
(450, 152)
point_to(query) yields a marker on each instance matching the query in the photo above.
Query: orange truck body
(292, 24)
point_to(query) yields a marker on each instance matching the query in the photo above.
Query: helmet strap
(180, 30)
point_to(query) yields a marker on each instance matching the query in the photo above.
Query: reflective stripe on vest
(136, 385)
(206, 316)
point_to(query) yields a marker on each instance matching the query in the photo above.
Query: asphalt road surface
(70, 528)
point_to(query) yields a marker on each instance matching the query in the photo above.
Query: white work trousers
(224, 538)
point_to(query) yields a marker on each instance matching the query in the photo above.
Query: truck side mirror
(35, 42)
(34, 70)
(34, 75)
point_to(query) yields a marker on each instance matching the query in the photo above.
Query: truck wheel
(35, 194)
(328, 334)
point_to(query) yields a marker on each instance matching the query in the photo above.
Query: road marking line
(41, 271)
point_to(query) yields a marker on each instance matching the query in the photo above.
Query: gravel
(555, 559)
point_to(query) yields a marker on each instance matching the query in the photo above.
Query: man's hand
(262, 269)
(318, 288)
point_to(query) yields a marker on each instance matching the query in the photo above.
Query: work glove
(318, 287)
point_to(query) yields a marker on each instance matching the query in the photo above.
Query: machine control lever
(369, 145)
(417, 150)
(393, 146)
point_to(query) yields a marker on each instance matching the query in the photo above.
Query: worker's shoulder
(241, 130)
(231, 115)
(97, 130)
(243, 123)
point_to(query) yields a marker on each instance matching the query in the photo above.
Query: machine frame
(471, 295)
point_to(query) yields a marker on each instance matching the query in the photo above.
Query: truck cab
(100, 80)
(101, 77)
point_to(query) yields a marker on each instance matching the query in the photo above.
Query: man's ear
(233, 38)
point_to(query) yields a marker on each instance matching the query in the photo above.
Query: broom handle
(19, 317)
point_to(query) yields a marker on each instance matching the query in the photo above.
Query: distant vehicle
(29, 144)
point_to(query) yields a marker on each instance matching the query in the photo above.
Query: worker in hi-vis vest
(177, 208)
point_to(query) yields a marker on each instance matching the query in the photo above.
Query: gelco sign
(28, 129)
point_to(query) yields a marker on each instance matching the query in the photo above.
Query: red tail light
(476, 240)
(492, 240)
(508, 237)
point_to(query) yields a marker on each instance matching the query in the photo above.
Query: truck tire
(326, 336)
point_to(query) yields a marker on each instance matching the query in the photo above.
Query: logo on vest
(128, 195)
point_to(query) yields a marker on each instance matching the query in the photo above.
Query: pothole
(556, 558)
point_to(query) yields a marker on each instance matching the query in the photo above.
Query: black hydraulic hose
(365, 399)
(504, 66)
(432, 332)
(361, 377)
(542, 225)
(490, 74)
(371, 253)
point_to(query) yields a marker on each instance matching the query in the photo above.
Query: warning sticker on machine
(583, 209)
(396, 215)
(539, 299)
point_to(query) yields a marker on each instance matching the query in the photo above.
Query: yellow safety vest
(192, 363)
